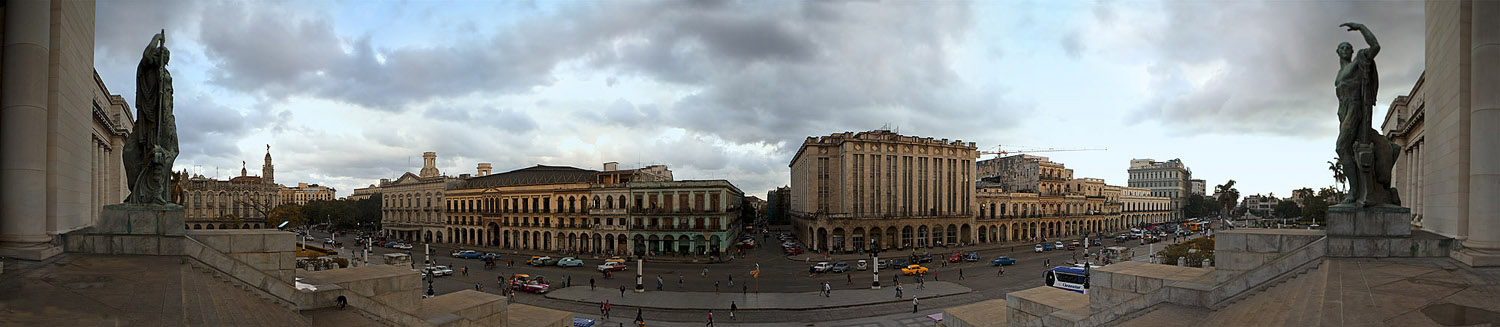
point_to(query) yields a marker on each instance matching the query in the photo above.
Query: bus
(1068, 278)
(1197, 226)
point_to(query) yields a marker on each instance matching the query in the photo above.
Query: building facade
(1170, 179)
(1198, 187)
(240, 202)
(879, 189)
(1141, 207)
(1449, 180)
(412, 207)
(1026, 173)
(305, 192)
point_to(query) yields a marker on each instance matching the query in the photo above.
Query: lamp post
(640, 266)
(875, 263)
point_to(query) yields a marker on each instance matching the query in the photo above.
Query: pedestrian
(476, 286)
(731, 283)
(732, 308)
(914, 304)
(658, 282)
(591, 283)
(960, 274)
(1002, 270)
(1046, 262)
(465, 270)
(898, 291)
(705, 271)
(679, 280)
(622, 290)
(710, 318)
(851, 279)
(716, 287)
(744, 289)
(569, 282)
(921, 283)
(604, 310)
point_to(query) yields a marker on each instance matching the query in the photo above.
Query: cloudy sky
(348, 92)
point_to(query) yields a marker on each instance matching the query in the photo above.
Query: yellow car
(914, 269)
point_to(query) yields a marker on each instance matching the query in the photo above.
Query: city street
(779, 274)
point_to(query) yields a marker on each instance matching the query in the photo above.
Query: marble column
(23, 129)
(1483, 245)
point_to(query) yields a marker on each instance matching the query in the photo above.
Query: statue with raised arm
(151, 147)
(1367, 156)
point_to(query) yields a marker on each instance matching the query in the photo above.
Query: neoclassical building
(1017, 198)
(240, 202)
(413, 206)
(304, 192)
(881, 189)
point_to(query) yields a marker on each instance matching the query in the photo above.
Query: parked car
(439, 270)
(861, 265)
(490, 255)
(792, 250)
(820, 267)
(955, 257)
(1098, 242)
(1058, 245)
(1048, 246)
(923, 258)
(895, 263)
(839, 267)
(971, 256)
(402, 246)
(390, 244)
(914, 269)
(883, 264)
(612, 266)
(569, 262)
(1039, 248)
(1003, 261)
(327, 241)
(468, 254)
(1073, 245)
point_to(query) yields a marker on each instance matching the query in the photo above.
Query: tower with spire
(268, 171)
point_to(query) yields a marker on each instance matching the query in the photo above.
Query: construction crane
(1000, 150)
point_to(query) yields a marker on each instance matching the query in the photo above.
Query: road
(778, 274)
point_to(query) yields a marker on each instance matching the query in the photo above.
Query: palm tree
(1338, 172)
(1227, 195)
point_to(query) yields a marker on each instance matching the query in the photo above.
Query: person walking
(465, 270)
(705, 271)
(622, 290)
(716, 287)
(921, 283)
(638, 320)
(898, 291)
(731, 283)
(960, 274)
(710, 318)
(679, 281)
(658, 282)
(744, 289)
(604, 310)
(732, 308)
(591, 284)
(913, 304)
(851, 279)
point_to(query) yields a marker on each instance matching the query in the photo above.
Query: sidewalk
(936, 252)
(763, 301)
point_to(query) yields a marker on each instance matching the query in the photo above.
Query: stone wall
(123, 229)
(269, 251)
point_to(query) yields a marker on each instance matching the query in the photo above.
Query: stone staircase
(1295, 302)
(211, 299)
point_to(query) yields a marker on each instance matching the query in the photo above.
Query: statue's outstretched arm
(1369, 37)
(156, 41)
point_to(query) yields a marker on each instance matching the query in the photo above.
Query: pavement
(757, 301)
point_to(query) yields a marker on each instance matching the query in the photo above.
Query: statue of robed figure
(152, 147)
(1367, 156)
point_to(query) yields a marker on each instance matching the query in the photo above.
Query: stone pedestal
(132, 229)
(1371, 222)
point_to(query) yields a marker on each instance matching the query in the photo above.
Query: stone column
(1482, 248)
(23, 129)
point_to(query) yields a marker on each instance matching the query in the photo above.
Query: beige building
(61, 131)
(240, 202)
(364, 193)
(305, 192)
(1026, 173)
(1140, 207)
(413, 207)
(1449, 180)
(1171, 179)
(877, 188)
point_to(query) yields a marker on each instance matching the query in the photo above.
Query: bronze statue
(1367, 156)
(152, 146)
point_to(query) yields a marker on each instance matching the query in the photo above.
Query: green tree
(1227, 197)
(1200, 206)
(1338, 172)
(287, 213)
(1288, 209)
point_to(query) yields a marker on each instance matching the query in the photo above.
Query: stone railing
(270, 287)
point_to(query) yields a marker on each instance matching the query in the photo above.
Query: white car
(1039, 248)
(457, 254)
(861, 265)
(440, 270)
(820, 267)
(403, 246)
(612, 266)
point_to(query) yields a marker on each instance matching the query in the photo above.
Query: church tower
(268, 171)
(429, 165)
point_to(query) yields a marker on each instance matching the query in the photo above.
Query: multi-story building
(1260, 205)
(1168, 179)
(877, 188)
(305, 192)
(1197, 187)
(412, 206)
(699, 216)
(778, 204)
(1139, 206)
(1026, 173)
(240, 202)
(365, 192)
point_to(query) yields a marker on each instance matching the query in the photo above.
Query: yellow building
(241, 202)
(305, 192)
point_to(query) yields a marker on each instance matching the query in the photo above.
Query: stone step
(212, 299)
(1310, 303)
(1272, 306)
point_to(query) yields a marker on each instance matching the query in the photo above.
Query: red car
(793, 250)
(955, 257)
(527, 283)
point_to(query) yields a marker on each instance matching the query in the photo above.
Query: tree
(1337, 168)
(1200, 206)
(287, 213)
(1288, 209)
(1228, 196)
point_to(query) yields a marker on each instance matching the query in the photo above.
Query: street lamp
(875, 262)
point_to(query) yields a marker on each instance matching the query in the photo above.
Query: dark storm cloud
(1276, 63)
(208, 129)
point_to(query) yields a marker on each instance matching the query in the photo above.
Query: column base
(1374, 221)
(33, 252)
(1477, 258)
